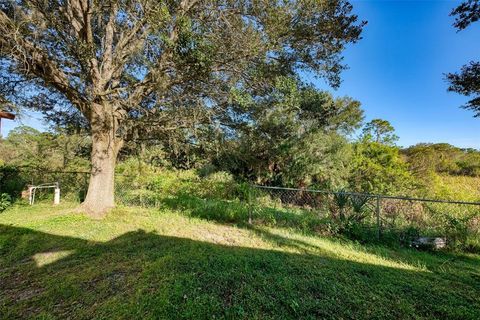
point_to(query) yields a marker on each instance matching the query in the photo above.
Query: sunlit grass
(457, 188)
(139, 263)
(173, 223)
(44, 258)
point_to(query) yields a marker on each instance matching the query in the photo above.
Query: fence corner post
(56, 198)
(30, 194)
(378, 217)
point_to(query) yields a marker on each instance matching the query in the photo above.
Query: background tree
(426, 159)
(292, 135)
(48, 151)
(379, 168)
(467, 81)
(117, 65)
(377, 165)
(380, 131)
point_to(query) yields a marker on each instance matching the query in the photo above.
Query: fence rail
(407, 217)
(371, 195)
(381, 215)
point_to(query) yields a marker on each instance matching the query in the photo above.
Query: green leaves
(378, 168)
(5, 201)
(290, 134)
(467, 81)
(380, 131)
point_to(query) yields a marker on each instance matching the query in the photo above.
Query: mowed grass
(164, 264)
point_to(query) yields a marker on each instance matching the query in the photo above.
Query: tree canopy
(467, 81)
(119, 67)
(380, 131)
(292, 135)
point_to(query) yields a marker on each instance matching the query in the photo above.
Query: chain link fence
(73, 185)
(360, 215)
(401, 218)
(129, 189)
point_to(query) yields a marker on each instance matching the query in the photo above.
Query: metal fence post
(378, 217)
(56, 197)
(249, 204)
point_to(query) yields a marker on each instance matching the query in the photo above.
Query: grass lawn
(163, 264)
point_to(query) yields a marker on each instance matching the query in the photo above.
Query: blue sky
(397, 71)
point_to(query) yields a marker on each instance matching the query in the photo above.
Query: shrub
(457, 231)
(207, 170)
(11, 181)
(219, 185)
(358, 203)
(341, 200)
(5, 201)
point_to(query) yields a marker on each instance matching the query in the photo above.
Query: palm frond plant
(358, 203)
(341, 200)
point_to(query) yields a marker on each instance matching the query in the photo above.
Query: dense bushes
(300, 139)
(5, 201)
(11, 181)
(11, 184)
(378, 168)
(217, 196)
(28, 147)
(442, 158)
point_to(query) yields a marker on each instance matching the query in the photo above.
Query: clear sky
(397, 71)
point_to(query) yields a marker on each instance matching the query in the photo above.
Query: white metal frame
(32, 189)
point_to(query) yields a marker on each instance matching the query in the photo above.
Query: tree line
(201, 81)
(282, 145)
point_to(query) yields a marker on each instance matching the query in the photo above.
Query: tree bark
(105, 146)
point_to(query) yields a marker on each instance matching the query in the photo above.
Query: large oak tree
(114, 66)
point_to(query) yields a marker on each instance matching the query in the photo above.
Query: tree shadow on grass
(456, 267)
(228, 212)
(234, 211)
(143, 275)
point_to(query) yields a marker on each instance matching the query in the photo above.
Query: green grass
(457, 187)
(165, 264)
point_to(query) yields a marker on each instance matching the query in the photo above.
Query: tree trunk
(105, 146)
